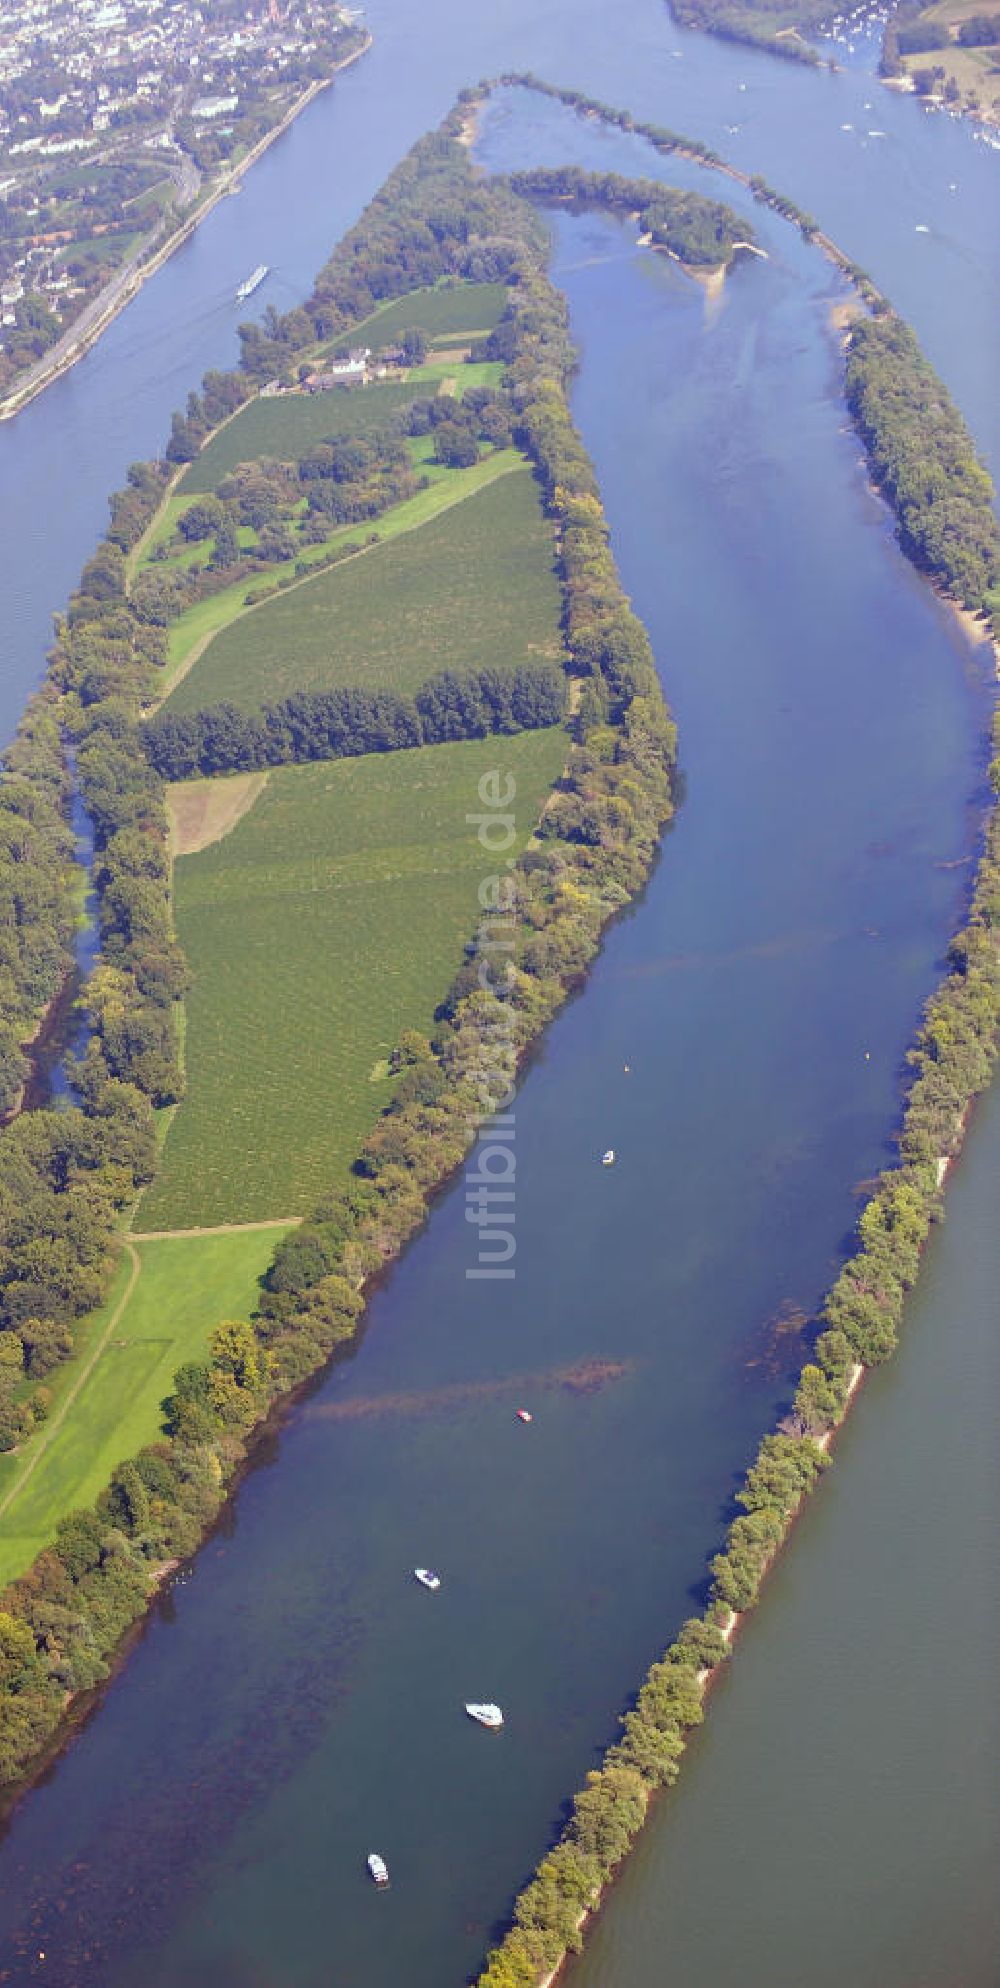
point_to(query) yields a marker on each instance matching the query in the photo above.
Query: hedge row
(337, 724)
(60, 1623)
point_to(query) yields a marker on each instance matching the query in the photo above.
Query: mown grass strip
(110, 1397)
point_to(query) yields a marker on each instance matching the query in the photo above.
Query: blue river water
(293, 1703)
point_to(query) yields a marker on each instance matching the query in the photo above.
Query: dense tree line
(339, 724)
(696, 230)
(593, 849)
(345, 480)
(420, 227)
(66, 1175)
(62, 1620)
(662, 139)
(133, 508)
(665, 142)
(918, 36)
(768, 24)
(221, 394)
(979, 31)
(106, 660)
(923, 459)
(36, 874)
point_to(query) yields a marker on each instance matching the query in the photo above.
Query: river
(295, 1701)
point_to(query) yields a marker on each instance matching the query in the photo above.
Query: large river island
(294, 1702)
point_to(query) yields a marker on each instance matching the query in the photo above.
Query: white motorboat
(486, 1715)
(378, 1869)
(608, 1158)
(427, 1578)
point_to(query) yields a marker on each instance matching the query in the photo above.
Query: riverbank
(865, 324)
(129, 281)
(306, 1313)
(403, 1222)
(614, 1806)
(862, 1316)
(728, 1626)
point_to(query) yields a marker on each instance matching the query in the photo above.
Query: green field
(473, 588)
(444, 312)
(288, 424)
(332, 916)
(186, 1285)
(193, 629)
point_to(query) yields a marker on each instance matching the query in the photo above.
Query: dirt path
(52, 1428)
(222, 1229)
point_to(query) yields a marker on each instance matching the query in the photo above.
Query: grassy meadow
(449, 310)
(474, 587)
(330, 918)
(186, 1285)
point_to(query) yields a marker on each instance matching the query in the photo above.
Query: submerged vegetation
(591, 851)
(61, 1620)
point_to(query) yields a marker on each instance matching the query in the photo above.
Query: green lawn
(186, 1285)
(443, 312)
(288, 424)
(332, 916)
(474, 587)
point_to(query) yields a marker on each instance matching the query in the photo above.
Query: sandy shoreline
(466, 134)
(975, 626)
(21, 397)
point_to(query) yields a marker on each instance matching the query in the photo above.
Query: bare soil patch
(203, 811)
